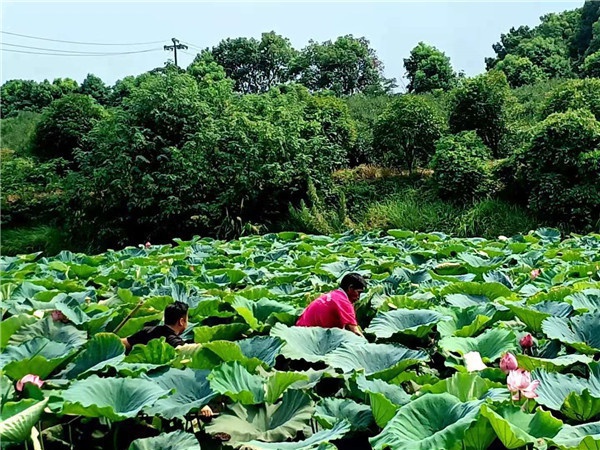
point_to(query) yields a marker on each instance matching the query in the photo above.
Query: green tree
(25, 95)
(64, 86)
(482, 104)
(590, 16)
(256, 66)
(549, 54)
(520, 71)
(591, 65)
(407, 131)
(461, 169)
(427, 69)
(64, 125)
(574, 94)
(561, 168)
(346, 66)
(508, 43)
(95, 88)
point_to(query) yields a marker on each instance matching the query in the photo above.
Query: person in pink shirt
(335, 309)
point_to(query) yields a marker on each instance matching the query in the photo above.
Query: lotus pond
(442, 317)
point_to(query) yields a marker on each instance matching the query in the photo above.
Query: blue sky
(465, 31)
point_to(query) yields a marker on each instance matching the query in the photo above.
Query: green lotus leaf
(312, 343)
(383, 361)
(265, 348)
(317, 441)
(330, 411)
(466, 322)
(415, 427)
(156, 352)
(490, 345)
(233, 380)
(477, 264)
(18, 418)
(581, 406)
(257, 313)
(557, 364)
(192, 392)
(71, 309)
(579, 437)
(382, 409)
(577, 398)
(392, 392)
(177, 440)
(279, 382)
(114, 398)
(12, 325)
(39, 356)
(515, 428)
(579, 332)
(587, 300)
(480, 435)
(551, 235)
(270, 423)
(211, 354)
(226, 332)
(404, 321)
(466, 294)
(102, 347)
(533, 315)
(467, 387)
(55, 331)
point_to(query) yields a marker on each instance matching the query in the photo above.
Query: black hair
(174, 312)
(353, 280)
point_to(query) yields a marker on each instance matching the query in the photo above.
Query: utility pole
(176, 46)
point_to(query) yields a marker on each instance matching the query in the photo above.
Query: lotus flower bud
(473, 362)
(508, 363)
(526, 341)
(535, 273)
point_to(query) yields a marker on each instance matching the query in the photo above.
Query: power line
(193, 46)
(176, 46)
(79, 42)
(57, 50)
(76, 54)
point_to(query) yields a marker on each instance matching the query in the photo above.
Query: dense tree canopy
(427, 69)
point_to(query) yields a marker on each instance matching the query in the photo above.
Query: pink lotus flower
(535, 273)
(148, 244)
(519, 383)
(508, 363)
(34, 379)
(526, 341)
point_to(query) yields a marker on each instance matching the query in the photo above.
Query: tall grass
(16, 132)
(43, 238)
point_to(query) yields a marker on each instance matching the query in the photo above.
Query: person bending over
(176, 321)
(335, 309)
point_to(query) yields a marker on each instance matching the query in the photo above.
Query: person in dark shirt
(176, 321)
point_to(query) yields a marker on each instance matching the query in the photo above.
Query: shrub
(64, 124)
(574, 94)
(482, 104)
(493, 218)
(406, 132)
(17, 132)
(560, 169)
(461, 169)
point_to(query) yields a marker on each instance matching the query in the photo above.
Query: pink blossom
(519, 383)
(29, 379)
(148, 244)
(529, 391)
(526, 341)
(535, 273)
(508, 363)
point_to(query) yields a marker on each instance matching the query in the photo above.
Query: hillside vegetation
(258, 136)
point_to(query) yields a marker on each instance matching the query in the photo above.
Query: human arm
(355, 329)
(126, 343)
